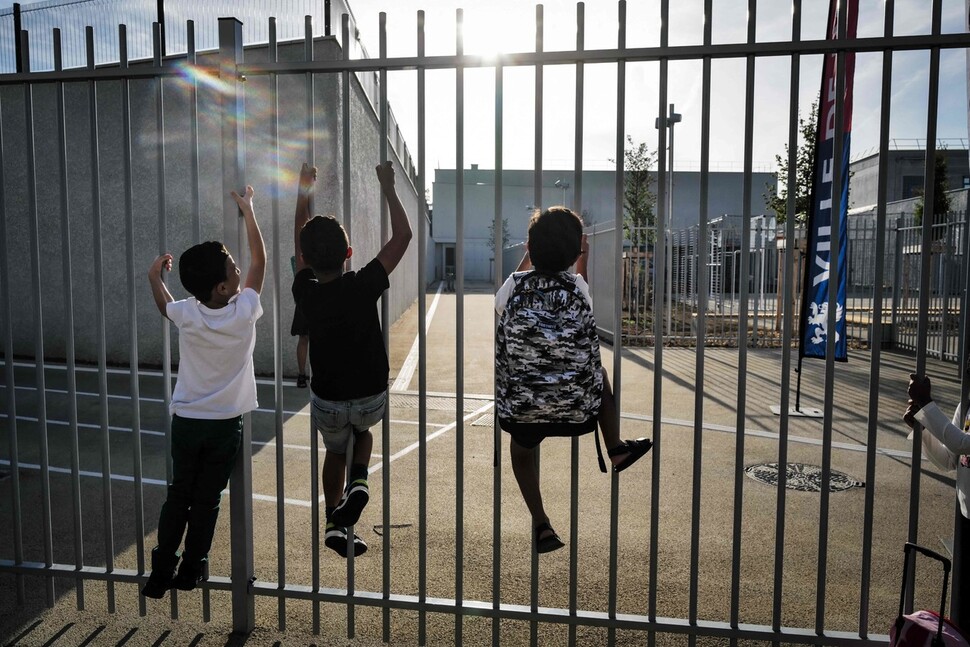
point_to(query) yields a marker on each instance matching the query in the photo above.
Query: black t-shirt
(347, 355)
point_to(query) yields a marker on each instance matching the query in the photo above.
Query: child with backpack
(549, 380)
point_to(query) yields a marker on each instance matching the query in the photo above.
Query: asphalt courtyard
(463, 452)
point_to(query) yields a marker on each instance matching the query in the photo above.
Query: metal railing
(681, 291)
(703, 264)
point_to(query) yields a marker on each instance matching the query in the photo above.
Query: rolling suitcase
(924, 628)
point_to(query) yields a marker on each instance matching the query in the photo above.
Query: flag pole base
(804, 412)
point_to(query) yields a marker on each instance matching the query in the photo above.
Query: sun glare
(490, 33)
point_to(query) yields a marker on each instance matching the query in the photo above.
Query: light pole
(562, 185)
(672, 119)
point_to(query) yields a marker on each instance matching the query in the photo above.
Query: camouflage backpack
(547, 360)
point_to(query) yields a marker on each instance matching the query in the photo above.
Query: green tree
(941, 201)
(777, 194)
(505, 234)
(639, 219)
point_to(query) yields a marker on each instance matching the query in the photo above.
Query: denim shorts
(337, 419)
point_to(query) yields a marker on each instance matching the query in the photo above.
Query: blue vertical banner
(815, 303)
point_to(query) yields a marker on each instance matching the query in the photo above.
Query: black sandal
(548, 543)
(635, 448)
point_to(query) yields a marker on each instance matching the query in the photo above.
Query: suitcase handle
(908, 549)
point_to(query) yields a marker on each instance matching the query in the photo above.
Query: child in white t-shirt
(216, 385)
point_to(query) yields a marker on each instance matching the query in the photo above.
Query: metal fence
(680, 290)
(745, 276)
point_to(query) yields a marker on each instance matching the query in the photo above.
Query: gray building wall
(905, 170)
(598, 204)
(176, 234)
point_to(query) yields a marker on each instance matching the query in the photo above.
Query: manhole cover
(802, 477)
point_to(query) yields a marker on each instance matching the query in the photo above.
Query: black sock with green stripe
(358, 472)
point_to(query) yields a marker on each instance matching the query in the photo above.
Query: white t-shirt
(504, 292)
(215, 377)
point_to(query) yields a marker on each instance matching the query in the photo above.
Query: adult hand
(919, 390)
(910, 416)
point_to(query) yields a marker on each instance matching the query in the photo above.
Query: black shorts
(530, 434)
(300, 326)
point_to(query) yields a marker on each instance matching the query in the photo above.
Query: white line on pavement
(411, 361)
(147, 432)
(145, 481)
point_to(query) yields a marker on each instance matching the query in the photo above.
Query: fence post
(232, 114)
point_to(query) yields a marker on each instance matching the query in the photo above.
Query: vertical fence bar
(132, 303)
(574, 442)
(538, 202)
(791, 266)
(422, 348)
(926, 245)
(98, 257)
(617, 289)
(659, 261)
(163, 248)
(66, 275)
(459, 321)
(233, 178)
(315, 477)
(11, 385)
(314, 464)
(193, 100)
(701, 326)
(278, 418)
(882, 190)
(34, 219)
(384, 155)
(347, 222)
(345, 127)
(497, 245)
(833, 290)
(743, 336)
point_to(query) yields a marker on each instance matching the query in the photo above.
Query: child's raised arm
(394, 249)
(304, 209)
(159, 290)
(257, 250)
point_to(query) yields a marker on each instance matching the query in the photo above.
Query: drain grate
(802, 477)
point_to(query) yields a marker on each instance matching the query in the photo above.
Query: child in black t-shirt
(348, 361)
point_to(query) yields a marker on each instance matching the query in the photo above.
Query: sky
(509, 25)
(500, 26)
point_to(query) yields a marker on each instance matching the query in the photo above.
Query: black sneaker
(157, 587)
(189, 575)
(336, 540)
(352, 504)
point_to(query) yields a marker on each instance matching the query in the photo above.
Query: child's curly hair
(555, 239)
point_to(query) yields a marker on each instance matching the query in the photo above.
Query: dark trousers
(960, 611)
(203, 455)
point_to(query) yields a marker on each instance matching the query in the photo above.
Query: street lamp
(562, 185)
(672, 119)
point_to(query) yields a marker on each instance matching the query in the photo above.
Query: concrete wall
(598, 204)
(173, 230)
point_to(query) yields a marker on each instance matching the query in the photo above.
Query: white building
(725, 196)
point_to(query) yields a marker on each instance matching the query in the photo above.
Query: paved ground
(463, 453)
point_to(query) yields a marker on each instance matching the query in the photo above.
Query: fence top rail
(566, 57)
